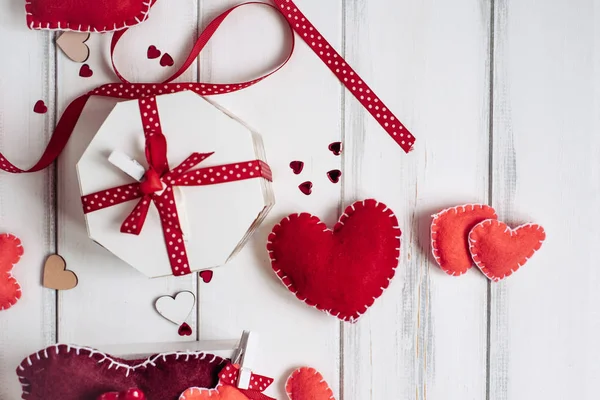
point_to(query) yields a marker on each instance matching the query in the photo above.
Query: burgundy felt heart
(166, 60)
(334, 175)
(153, 52)
(79, 373)
(40, 107)
(86, 15)
(306, 187)
(297, 167)
(85, 71)
(340, 271)
(336, 148)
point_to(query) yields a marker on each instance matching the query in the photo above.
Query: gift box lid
(217, 219)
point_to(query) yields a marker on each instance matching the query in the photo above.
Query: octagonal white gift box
(218, 218)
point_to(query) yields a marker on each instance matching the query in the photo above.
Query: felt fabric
(340, 271)
(86, 15)
(79, 373)
(307, 384)
(449, 235)
(10, 254)
(131, 394)
(499, 251)
(227, 390)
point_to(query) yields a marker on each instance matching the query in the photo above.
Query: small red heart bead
(153, 52)
(152, 183)
(85, 71)
(40, 107)
(166, 60)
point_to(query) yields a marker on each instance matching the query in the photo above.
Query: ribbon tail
(169, 218)
(134, 223)
(254, 395)
(59, 139)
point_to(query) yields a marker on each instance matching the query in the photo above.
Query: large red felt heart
(340, 271)
(86, 15)
(498, 251)
(449, 235)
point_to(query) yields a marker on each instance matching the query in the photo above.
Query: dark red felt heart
(336, 148)
(166, 60)
(340, 271)
(185, 330)
(297, 167)
(40, 107)
(306, 187)
(86, 15)
(153, 52)
(85, 71)
(334, 175)
(79, 373)
(206, 275)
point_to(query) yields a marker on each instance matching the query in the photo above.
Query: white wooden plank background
(504, 98)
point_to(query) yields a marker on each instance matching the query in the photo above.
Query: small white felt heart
(176, 309)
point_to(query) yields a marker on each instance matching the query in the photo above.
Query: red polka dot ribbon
(158, 185)
(297, 23)
(258, 383)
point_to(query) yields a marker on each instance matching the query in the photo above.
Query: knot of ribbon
(158, 184)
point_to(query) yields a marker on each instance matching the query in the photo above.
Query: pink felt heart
(86, 15)
(449, 236)
(499, 251)
(308, 384)
(340, 271)
(10, 254)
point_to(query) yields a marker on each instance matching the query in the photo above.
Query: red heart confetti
(185, 330)
(11, 251)
(499, 251)
(85, 71)
(306, 187)
(336, 148)
(340, 271)
(40, 107)
(206, 275)
(153, 52)
(297, 167)
(334, 175)
(166, 60)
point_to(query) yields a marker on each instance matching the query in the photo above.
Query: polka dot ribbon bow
(227, 387)
(159, 181)
(297, 22)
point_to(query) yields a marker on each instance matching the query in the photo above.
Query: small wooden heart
(56, 275)
(73, 45)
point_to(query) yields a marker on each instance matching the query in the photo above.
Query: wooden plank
(113, 303)
(546, 317)
(26, 201)
(298, 113)
(426, 336)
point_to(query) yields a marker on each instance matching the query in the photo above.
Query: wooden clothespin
(245, 356)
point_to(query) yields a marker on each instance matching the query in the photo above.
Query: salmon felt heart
(307, 384)
(10, 254)
(449, 236)
(340, 271)
(86, 15)
(498, 250)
